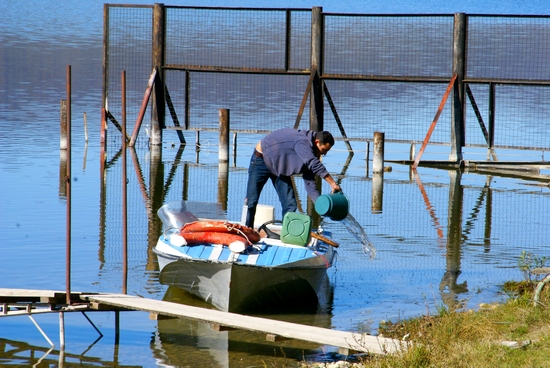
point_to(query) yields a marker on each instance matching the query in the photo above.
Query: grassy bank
(512, 334)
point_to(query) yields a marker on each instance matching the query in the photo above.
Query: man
(281, 154)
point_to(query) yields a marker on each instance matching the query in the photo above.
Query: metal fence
(434, 227)
(384, 73)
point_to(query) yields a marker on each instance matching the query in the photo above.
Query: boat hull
(274, 278)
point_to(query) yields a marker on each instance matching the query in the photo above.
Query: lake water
(441, 238)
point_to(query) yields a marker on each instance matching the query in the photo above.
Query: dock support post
(117, 328)
(223, 118)
(61, 331)
(378, 158)
(316, 118)
(378, 172)
(377, 192)
(223, 158)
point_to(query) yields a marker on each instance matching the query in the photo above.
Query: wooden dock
(19, 301)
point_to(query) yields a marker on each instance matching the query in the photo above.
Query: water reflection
(180, 342)
(22, 354)
(449, 286)
(411, 219)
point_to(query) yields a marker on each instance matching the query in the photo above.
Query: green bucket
(335, 206)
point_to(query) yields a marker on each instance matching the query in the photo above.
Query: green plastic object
(335, 206)
(296, 229)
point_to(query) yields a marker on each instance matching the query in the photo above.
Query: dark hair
(325, 137)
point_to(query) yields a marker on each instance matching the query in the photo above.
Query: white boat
(265, 275)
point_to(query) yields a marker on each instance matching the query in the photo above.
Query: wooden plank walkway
(23, 301)
(14, 302)
(341, 339)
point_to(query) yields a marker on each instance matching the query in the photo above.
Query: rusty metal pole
(105, 74)
(68, 180)
(367, 158)
(491, 115)
(316, 115)
(124, 191)
(158, 104)
(63, 150)
(102, 143)
(459, 67)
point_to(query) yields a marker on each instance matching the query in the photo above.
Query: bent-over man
(281, 154)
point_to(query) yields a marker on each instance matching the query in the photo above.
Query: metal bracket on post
(304, 99)
(434, 122)
(143, 107)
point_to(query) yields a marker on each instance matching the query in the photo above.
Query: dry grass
(475, 339)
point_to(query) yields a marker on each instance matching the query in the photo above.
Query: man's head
(323, 143)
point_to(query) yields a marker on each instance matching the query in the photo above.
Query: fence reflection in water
(448, 235)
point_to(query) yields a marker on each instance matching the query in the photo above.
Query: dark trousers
(258, 174)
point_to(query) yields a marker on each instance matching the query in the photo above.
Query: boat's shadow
(177, 340)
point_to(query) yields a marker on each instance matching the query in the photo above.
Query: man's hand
(336, 188)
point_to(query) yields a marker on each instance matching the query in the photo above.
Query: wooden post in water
(63, 122)
(158, 104)
(378, 157)
(457, 108)
(223, 157)
(377, 192)
(223, 119)
(85, 127)
(316, 118)
(378, 172)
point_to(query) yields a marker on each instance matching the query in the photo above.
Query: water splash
(354, 228)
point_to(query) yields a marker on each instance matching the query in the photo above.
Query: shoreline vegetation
(514, 333)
